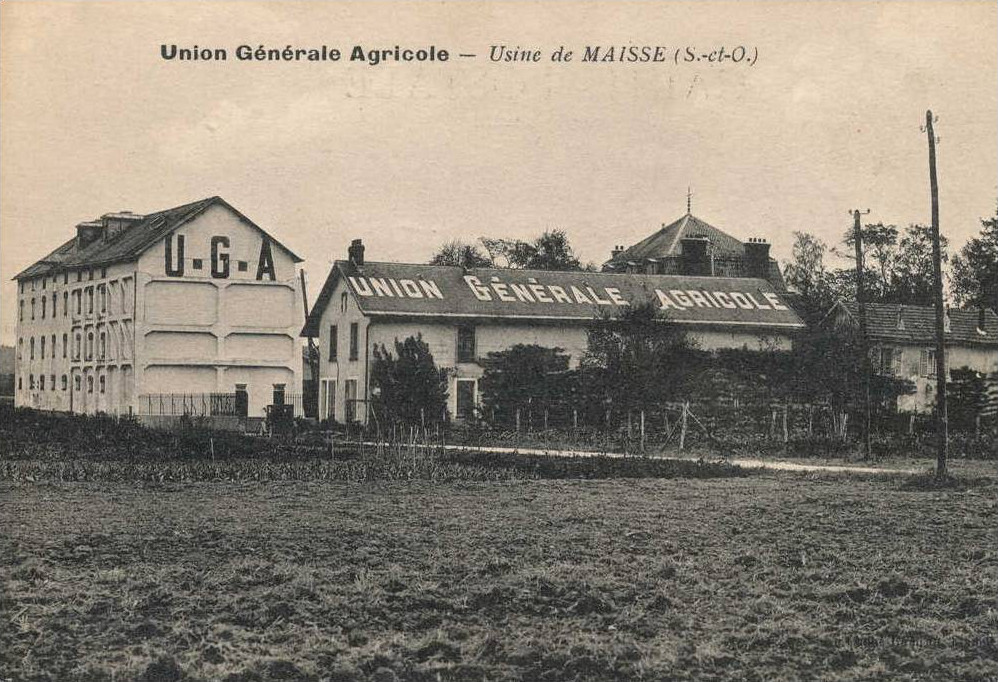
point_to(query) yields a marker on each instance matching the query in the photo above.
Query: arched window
(44, 306)
(65, 382)
(65, 303)
(76, 382)
(90, 384)
(32, 351)
(43, 348)
(76, 349)
(103, 383)
(90, 347)
(65, 340)
(103, 346)
(54, 299)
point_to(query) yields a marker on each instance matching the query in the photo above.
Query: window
(32, 308)
(103, 273)
(332, 343)
(90, 380)
(44, 282)
(43, 348)
(65, 303)
(90, 276)
(927, 363)
(44, 306)
(78, 295)
(79, 275)
(20, 348)
(55, 297)
(465, 398)
(65, 382)
(90, 298)
(65, 277)
(53, 346)
(65, 339)
(103, 383)
(32, 348)
(343, 302)
(354, 343)
(31, 381)
(465, 344)
(242, 265)
(76, 348)
(53, 382)
(197, 263)
(41, 382)
(20, 383)
(103, 346)
(20, 312)
(103, 298)
(76, 382)
(89, 353)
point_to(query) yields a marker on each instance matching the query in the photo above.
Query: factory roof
(404, 290)
(132, 241)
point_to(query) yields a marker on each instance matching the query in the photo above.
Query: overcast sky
(409, 156)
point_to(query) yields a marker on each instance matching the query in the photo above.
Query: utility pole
(864, 344)
(942, 419)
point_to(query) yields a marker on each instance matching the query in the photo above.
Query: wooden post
(810, 420)
(911, 424)
(628, 425)
(545, 419)
(786, 429)
(422, 417)
(942, 417)
(682, 432)
(575, 419)
(642, 430)
(518, 420)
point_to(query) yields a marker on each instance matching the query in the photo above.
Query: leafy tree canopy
(407, 386)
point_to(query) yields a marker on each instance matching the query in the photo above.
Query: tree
(550, 251)
(806, 274)
(524, 377)
(638, 358)
(462, 254)
(974, 275)
(407, 387)
(899, 263)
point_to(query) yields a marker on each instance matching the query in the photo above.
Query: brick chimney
(696, 256)
(617, 250)
(757, 258)
(356, 252)
(116, 223)
(89, 232)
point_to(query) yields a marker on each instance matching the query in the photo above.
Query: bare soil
(769, 577)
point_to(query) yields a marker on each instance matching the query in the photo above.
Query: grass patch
(746, 578)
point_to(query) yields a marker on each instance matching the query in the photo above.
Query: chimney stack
(89, 232)
(757, 258)
(356, 252)
(697, 259)
(617, 250)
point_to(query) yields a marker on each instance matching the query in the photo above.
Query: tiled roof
(916, 324)
(429, 291)
(131, 242)
(666, 241)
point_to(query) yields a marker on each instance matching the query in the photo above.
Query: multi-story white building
(195, 299)
(464, 314)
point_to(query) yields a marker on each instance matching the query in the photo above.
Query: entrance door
(350, 400)
(465, 398)
(328, 400)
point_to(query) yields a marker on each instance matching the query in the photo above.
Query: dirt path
(748, 463)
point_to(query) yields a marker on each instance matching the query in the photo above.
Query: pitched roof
(131, 242)
(666, 241)
(916, 324)
(434, 291)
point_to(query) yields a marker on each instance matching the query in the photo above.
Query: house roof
(666, 241)
(131, 242)
(916, 324)
(431, 291)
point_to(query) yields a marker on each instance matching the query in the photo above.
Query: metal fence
(188, 404)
